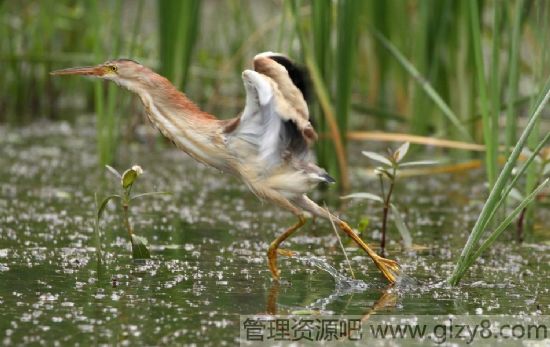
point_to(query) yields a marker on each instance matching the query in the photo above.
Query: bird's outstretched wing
(276, 118)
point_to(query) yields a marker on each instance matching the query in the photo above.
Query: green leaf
(148, 194)
(367, 196)
(104, 203)
(113, 171)
(139, 248)
(401, 227)
(401, 152)
(377, 157)
(419, 163)
(423, 82)
(128, 178)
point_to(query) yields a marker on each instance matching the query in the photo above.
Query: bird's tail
(389, 268)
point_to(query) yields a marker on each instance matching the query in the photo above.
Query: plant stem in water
(386, 210)
(127, 221)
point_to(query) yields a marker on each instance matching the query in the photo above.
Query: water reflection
(343, 286)
(386, 301)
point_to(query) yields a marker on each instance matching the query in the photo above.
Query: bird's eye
(113, 68)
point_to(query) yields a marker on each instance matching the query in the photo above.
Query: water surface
(208, 242)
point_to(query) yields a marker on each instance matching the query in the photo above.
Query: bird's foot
(389, 268)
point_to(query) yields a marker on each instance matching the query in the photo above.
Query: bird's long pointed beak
(98, 70)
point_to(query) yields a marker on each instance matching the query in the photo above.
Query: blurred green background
(461, 70)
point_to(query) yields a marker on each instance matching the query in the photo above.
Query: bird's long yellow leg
(389, 268)
(274, 247)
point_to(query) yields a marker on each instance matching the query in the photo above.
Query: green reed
(178, 28)
(348, 12)
(513, 68)
(542, 10)
(321, 30)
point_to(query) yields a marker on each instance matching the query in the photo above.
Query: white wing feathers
(275, 120)
(260, 124)
(273, 134)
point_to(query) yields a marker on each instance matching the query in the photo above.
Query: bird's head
(124, 72)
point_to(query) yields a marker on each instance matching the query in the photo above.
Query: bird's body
(267, 146)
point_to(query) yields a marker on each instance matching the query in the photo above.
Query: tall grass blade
(346, 51)
(321, 29)
(542, 24)
(421, 140)
(178, 29)
(99, 95)
(489, 129)
(424, 84)
(513, 73)
(112, 116)
(494, 92)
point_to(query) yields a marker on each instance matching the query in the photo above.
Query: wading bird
(267, 146)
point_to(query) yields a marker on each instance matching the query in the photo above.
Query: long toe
(389, 268)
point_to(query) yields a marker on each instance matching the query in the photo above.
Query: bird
(267, 146)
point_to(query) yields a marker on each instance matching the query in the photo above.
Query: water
(208, 241)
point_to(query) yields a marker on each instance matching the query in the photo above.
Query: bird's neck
(195, 132)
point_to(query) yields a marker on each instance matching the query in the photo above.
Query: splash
(342, 282)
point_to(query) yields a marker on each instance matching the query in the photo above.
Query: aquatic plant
(500, 192)
(127, 180)
(391, 162)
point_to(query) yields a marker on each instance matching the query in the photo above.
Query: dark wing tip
(298, 74)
